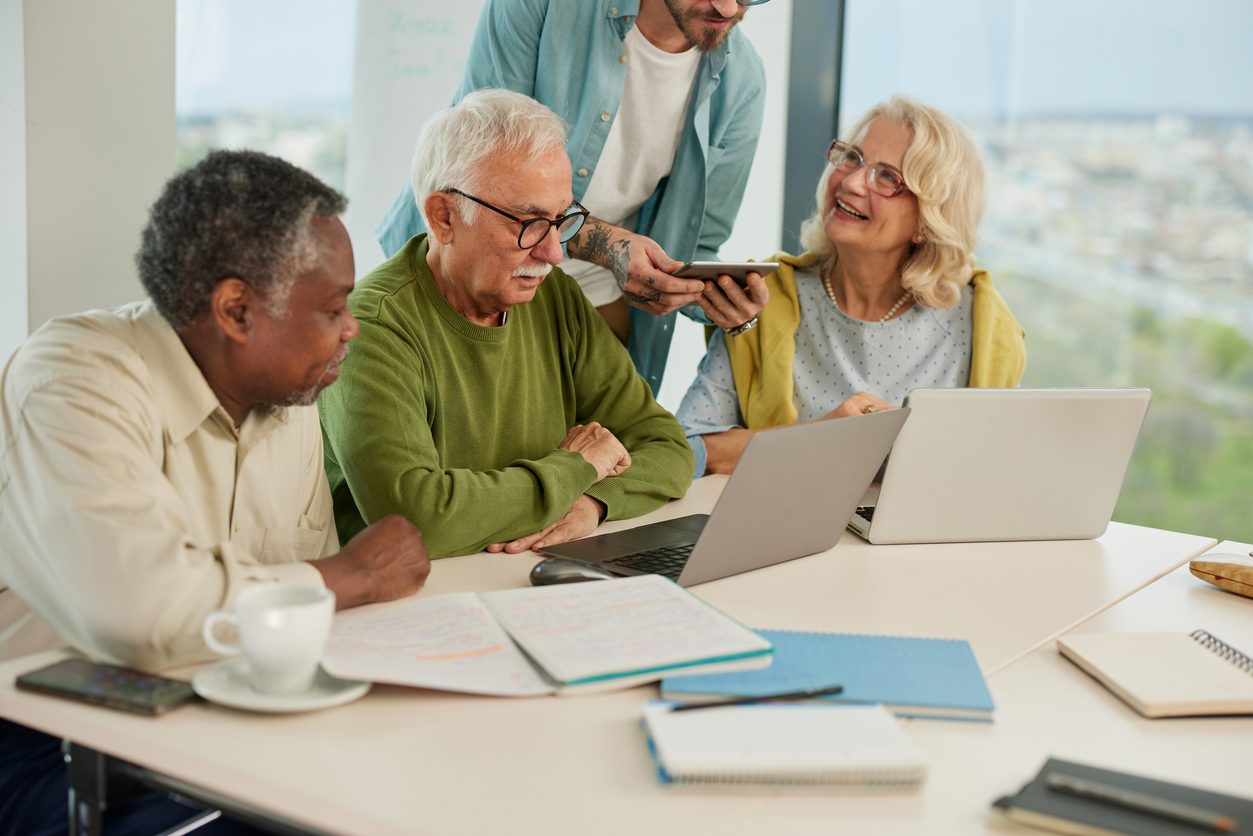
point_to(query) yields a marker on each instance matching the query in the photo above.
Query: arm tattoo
(591, 243)
(620, 262)
(595, 243)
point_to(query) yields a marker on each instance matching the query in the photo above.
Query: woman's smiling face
(861, 220)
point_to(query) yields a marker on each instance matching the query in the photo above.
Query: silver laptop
(1004, 464)
(790, 496)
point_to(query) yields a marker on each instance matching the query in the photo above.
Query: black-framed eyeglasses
(535, 230)
(750, 2)
(883, 179)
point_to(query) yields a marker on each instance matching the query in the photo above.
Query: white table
(403, 760)
(1005, 598)
(1048, 707)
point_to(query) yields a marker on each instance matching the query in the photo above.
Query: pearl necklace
(826, 285)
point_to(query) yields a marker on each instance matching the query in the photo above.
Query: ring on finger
(869, 408)
(635, 297)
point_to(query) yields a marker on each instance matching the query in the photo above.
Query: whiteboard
(409, 59)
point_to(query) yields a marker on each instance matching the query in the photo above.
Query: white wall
(99, 94)
(757, 227)
(13, 296)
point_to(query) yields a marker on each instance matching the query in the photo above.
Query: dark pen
(785, 697)
(1141, 802)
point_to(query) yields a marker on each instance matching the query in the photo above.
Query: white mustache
(534, 271)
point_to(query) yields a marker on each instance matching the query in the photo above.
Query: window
(273, 76)
(1118, 140)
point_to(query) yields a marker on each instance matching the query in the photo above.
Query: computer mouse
(566, 570)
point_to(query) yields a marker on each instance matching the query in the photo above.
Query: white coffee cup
(282, 631)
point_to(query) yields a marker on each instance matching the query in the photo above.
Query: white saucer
(227, 683)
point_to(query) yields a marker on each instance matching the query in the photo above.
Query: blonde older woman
(885, 299)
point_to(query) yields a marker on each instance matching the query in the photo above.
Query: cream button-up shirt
(131, 505)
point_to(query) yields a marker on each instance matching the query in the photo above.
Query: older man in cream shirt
(158, 458)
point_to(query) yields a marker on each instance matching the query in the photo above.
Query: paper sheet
(448, 642)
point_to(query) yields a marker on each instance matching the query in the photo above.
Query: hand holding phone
(737, 270)
(108, 685)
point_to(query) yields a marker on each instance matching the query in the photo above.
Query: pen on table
(1132, 800)
(784, 697)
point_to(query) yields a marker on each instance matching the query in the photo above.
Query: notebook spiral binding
(868, 777)
(1224, 650)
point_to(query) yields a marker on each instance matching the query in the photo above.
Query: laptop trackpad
(621, 543)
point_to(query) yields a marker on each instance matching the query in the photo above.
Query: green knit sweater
(456, 426)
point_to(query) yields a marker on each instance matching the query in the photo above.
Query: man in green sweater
(485, 399)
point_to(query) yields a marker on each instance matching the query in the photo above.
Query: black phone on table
(108, 685)
(737, 270)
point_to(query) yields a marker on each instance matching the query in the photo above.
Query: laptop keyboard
(665, 560)
(866, 512)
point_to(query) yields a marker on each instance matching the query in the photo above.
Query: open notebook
(541, 640)
(796, 744)
(1166, 674)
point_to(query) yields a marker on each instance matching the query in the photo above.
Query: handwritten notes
(447, 642)
(586, 631)
(606, 634)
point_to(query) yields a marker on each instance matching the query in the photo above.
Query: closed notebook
(797, 744)
(913, 677)
(1166, 674)
(1037, 805)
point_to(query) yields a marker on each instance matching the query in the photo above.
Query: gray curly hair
(240, 214)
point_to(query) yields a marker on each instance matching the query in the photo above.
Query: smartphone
(737, 270)
(108, 685)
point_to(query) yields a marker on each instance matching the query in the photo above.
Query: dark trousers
(34, 787)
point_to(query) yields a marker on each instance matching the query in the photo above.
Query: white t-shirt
(640, 148)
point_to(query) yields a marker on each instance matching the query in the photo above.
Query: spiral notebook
(1167, 674)
(795, 744)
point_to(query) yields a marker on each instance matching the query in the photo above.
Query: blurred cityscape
(1125, 247)
(314, 138)
(1157, 208)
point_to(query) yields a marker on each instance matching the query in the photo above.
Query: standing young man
(664, 99)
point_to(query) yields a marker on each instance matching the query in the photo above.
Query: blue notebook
(912, 677)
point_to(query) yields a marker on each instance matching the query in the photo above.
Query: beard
(309, 396)
(689, 23)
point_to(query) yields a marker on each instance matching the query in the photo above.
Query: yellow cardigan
(761, 360)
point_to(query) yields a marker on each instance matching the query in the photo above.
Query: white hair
(455, 142)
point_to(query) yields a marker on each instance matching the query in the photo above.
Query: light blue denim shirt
(565, 54)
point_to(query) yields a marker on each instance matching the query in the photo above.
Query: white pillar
(99, 102)
(13, 297)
